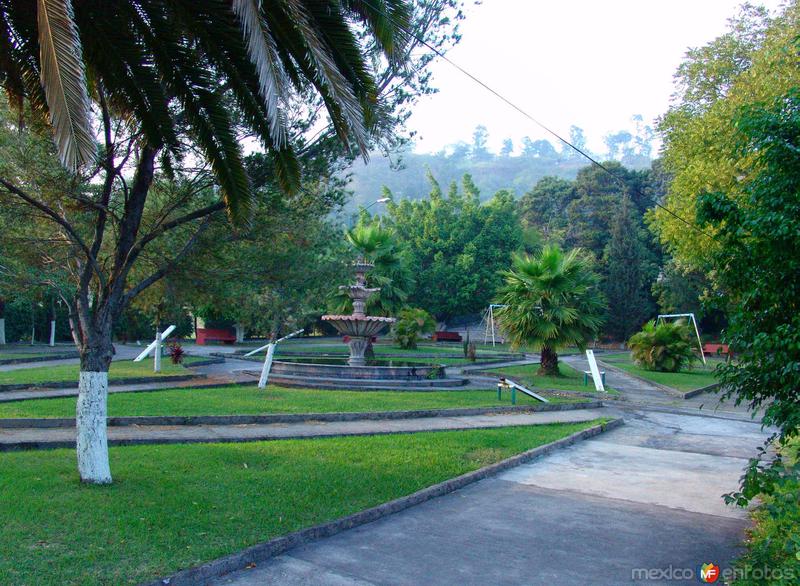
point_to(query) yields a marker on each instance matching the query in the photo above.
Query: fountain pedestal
(358, 326)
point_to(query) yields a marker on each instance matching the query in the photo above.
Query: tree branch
(164, 269)
(55, 217)
(205, 212)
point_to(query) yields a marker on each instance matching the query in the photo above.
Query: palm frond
(64, 80)
(264, 56)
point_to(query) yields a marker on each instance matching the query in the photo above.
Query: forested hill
(406, 174)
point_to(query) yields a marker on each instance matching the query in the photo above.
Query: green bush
(666, 347)
(411, 323)
(773, 548)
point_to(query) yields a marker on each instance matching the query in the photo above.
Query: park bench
(206, 335)
(446, 337)
(715, 349)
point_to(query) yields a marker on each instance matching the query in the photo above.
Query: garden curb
(119, 381)
(208, 439)
(111, 384)
(205, 362)
(138, 380)
(65, 422)
(701, 390)
(62, 356)
(279, 545)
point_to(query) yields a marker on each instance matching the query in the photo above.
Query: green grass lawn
(69, 372)
(570, 379)
(15, 355)
(240, 400)
(175, 506)
(698, 376)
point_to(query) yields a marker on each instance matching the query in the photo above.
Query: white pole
(491, 318)
(699, 341)
(52, 332)
(146, 352)
(265, 346)
(598, 380)
(262, 382)
(157, 353)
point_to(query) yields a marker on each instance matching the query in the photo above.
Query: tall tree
(181, 81)
(456, 246)
(626, 286)
(758, 266)
(480, 144)
(749, 62)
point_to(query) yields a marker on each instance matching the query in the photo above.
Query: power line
(513, 105)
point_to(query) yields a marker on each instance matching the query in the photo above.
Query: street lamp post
(379, 200)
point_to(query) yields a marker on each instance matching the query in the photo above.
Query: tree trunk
(549, 363)
(91, 411)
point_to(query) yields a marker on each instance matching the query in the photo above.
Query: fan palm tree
(665, 347)
(172, 71)
(551, 301)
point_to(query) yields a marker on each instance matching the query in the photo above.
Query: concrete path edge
(279, 545)
(64, 422)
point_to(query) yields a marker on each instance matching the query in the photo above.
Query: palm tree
(551, 300)
(391, 273)
(168, 73)
(665, 347)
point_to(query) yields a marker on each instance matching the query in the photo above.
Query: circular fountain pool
(379, 369)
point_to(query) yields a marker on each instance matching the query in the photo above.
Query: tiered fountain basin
(358, 326)
(377, 374)
(359, 371)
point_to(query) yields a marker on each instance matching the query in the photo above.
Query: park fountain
(359, 327)
(324, 371)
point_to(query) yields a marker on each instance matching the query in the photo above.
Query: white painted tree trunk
(239, 333)
(90, 416)
(53, 332)
(2, 331)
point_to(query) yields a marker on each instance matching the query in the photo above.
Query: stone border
(148, 441)
(111, 384)
(39, 358)
(67, 422)
(701, 390)
(140, 380)
(205, 362)
(275, 547)
(46, 386)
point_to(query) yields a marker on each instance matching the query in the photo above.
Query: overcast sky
(583, 62)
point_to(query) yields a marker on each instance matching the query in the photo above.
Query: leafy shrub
(666, 347)
(176, 353)
(774, 541)
(411, 323)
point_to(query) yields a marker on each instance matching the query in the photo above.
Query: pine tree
(629, 304)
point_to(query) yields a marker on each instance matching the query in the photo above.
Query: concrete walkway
(635, 393)
(19, 438)
(645, 496)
